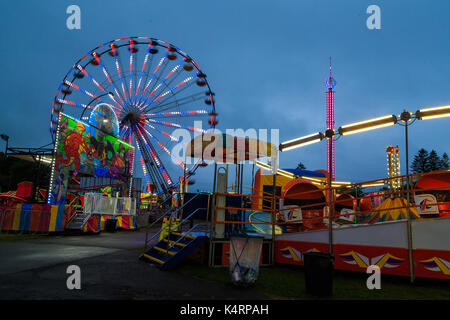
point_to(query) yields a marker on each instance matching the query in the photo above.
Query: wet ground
(110, 269)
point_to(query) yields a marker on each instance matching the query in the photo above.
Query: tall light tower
(330, 84)
(393, 165)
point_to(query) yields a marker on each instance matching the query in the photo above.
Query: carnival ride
(152, 86)
(216, 208)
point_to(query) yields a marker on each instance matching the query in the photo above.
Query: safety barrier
(95, 203)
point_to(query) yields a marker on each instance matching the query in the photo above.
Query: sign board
(426, 204)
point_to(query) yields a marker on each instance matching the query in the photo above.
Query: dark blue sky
(265, 60)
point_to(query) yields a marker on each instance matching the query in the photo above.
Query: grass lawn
(288, 282)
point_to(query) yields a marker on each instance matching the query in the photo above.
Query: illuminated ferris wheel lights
(132, 90)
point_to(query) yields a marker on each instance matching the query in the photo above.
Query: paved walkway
(110, 269)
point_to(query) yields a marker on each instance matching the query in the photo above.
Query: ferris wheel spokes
(163, 84)
(187, 80)
(144, 66)
(164, 62)
(97, 84)
(115, 55)
(148, 166)
(105, 72)
(181, 101)
(132, 53)
(187, 113)
(162, 170)
(164, 148)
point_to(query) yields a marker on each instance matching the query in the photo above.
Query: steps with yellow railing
(170, 251)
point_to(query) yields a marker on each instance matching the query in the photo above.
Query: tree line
(425, 161)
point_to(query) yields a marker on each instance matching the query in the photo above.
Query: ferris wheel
(154, 88)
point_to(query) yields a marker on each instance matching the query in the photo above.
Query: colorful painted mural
(82, 147)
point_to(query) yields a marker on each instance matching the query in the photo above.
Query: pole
(253, 176)
(410, 249)
(212, 220)
(36, 179)
(330, 196)
(274, 186)
(406, 151)
(6, 147)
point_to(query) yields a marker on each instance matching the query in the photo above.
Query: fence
(95, 203)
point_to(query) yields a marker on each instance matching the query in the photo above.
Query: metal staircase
(77, 218)
(176, 245)
(78, 221)
(171, 250)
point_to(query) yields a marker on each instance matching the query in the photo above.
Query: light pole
(5, 138)
(405, 118)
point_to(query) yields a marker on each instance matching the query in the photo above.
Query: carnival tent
(391, 210)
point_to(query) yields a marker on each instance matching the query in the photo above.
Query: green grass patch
(288, 282)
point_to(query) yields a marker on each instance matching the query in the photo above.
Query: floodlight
(263, 165)
(367, 125)
(375, 184)
(300, 142)
(433, 113)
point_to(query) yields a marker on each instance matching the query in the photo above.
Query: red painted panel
(8, 220)
(291, 252)
(35, 217)
(432, 263)
(391, 260)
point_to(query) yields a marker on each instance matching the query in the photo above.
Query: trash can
(245, 255)
(110, 225)
(319, 273)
